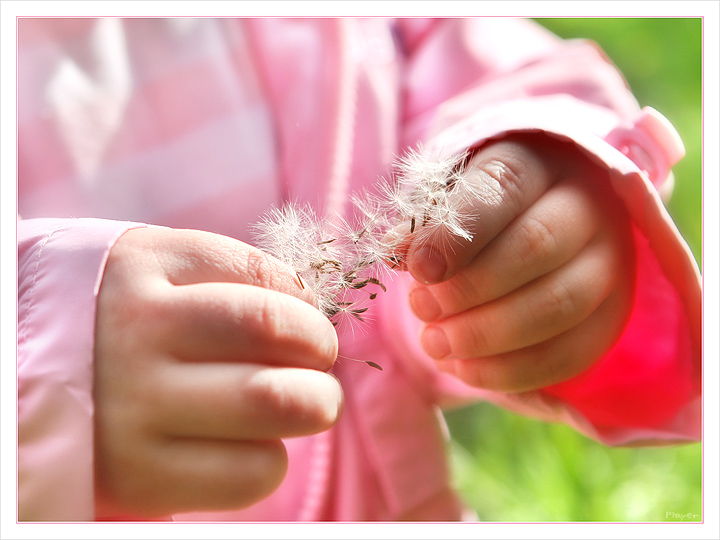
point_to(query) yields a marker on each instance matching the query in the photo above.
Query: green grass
(511, 468)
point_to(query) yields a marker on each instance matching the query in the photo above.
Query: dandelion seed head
(343, 260)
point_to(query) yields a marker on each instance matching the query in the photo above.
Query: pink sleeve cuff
(60, 266)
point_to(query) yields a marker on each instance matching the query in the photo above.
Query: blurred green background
(512, 468)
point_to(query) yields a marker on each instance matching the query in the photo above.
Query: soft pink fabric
(55, 343)
(206, 123)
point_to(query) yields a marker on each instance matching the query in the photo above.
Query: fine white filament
(427, 196)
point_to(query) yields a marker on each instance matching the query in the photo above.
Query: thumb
(463, 213)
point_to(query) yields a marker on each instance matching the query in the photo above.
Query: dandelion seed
(368, 362)
(336, 256)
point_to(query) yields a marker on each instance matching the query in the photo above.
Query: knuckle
(264, 270)
(458, 293)
(479, 339)
(555, 363)
(533, 242)
(506, 181)
(275, 402)
(557, 304)
(259, 268)
(268, 321)
(551, 368)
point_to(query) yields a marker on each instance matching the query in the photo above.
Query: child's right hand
(207, 353)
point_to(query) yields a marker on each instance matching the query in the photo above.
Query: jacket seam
(29, 302)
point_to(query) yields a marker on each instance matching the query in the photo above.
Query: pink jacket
(206, 123)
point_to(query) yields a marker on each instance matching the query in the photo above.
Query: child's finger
(187, 257)
(182, 475)
(508, 177)
(537, 312)
(539, 241)
(244, 401)
(213, 474)
(243, 323)
(549, 362)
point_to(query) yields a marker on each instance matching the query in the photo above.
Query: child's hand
(207, 353)
(545, 287)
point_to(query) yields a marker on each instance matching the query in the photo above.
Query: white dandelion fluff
(427, 197)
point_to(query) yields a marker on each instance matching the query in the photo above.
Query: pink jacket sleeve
(60, 264)
(511, 76)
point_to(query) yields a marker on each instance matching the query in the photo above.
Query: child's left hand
(545, 287)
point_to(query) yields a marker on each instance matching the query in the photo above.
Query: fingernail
(428, 265)
(435, 342)
(340, 397)
(424, 304)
